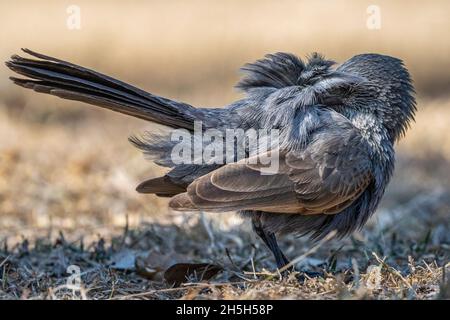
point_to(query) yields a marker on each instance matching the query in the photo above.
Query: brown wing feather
(161, 186)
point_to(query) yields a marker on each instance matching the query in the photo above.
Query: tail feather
(161, 186)
(69, 81)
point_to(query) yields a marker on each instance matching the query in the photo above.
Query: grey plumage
(337, 128)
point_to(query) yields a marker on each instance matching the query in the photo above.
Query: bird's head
(370, 84)
(386, 91)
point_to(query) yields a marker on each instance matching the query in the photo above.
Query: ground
(72, 226)
(380, 264)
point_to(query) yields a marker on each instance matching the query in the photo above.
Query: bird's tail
(69, 81)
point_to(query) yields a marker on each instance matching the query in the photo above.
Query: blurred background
(66, 165)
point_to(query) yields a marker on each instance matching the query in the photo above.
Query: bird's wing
(325, 177)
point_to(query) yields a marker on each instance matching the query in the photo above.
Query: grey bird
(337, 125)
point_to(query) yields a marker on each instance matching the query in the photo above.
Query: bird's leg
(271, 242)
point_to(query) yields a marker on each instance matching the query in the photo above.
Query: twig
(185, 287)
(356, 278)
(392, 270)
(261, 273)
(4, 261)
(253, 268)
(241, 276)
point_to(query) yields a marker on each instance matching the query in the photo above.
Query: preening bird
(337, 128)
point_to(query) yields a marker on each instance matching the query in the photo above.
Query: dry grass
(385, 263)
(64, 167)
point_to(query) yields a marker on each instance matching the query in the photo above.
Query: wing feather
(325, 177)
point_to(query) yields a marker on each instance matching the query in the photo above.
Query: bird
(337, 126)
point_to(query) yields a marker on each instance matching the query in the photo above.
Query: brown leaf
(181, 272)
(145, 270)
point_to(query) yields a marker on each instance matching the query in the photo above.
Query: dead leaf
(144, 270)
(181, 272)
